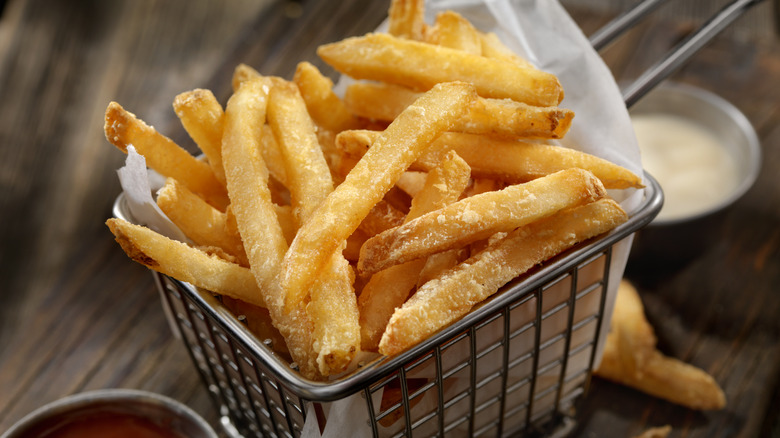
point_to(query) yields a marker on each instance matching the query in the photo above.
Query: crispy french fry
(514, 161)
(631, 358)
(406, 20)
(185, 263)
(411, 182)
(333, 307)
(523, 161)
(666, 378)
(635, 335)
(493, 117)
(447, 298)
(325, 107)
(381, 217)
(201, 116)
(201, 222)
(272, 155)
(247, 181)
(123, 128)
(478, 217)
(373, 176)
(308, 175)
(388, 289)
(420, 65)
(241, 74)
(454, 31)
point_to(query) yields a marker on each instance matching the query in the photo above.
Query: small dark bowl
(163, 413)
(675, 241)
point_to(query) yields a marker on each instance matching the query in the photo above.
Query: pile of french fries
(371, 221)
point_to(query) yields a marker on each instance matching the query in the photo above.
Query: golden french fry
(666, 378)
(388, 289)
(272, 155)
(523, 161)
(325, 107)
(201, 116)
(411, 182)
(247, 182)
(243, 73)
(656, 432)
(201, 222)
(333, 307)
(123, 128)
(454, 31)
(373, 176)
(478, 217)
(635, 335)
(630, 358)
(420, 65)
(406, 20)
(514, 161)
(493, 117)
(447, 298)
(308, 175)
(381, 217)
(185, 263)
(436, 264)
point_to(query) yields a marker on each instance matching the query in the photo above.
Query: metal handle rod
(683, 51)
(610, 31)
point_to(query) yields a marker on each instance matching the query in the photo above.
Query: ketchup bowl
(116, 413)
(705, 155)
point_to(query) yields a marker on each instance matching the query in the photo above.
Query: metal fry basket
(513, 366)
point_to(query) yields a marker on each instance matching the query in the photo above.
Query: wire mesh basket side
(517, 371)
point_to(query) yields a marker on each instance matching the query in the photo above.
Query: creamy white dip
(690, 163)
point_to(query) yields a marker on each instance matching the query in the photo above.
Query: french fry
(381, 217)
(420, 66)
(523, 161)
(447, 298)
(201, 116)
(631, 358)
(201, 222)
(123, 128)
(272, 155)
(325, 107)
(493, 117)
(185, 263)
(635, 336)
(308, 175)
(515, 161)
(332, 308)
(388, 289)
(478, 217)
(343, 210)
(454, 31)
(247, 182)
(406, 20)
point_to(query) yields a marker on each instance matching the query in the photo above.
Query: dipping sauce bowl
(705, 155)
(112, 413)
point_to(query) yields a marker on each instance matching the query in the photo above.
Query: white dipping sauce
(690, 163)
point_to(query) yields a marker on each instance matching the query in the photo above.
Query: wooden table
(77, 315)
